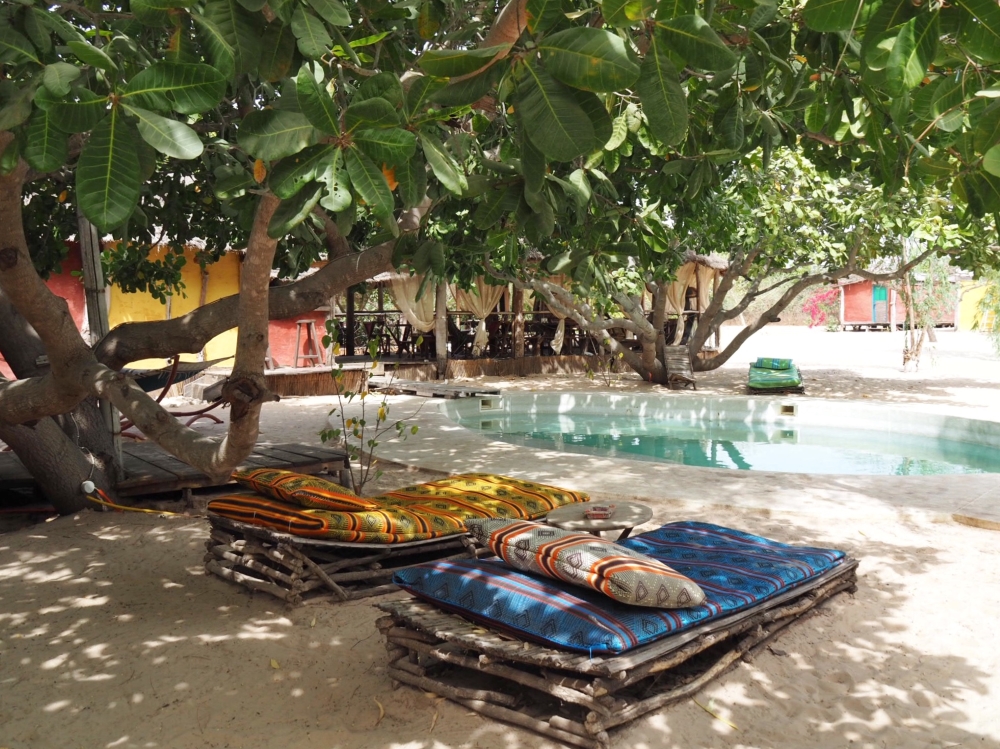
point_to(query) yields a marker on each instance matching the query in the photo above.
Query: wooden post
(349, 333)
(97, 313)
(202, 299)
(517, 332)
(441, 329)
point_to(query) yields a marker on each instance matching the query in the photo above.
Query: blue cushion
(736, 570)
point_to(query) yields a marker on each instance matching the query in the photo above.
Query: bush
(823, 308)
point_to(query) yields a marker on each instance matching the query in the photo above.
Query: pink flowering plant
(823, 308)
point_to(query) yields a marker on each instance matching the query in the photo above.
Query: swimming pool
(795, 435)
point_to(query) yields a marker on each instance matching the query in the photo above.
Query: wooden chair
(679, 372)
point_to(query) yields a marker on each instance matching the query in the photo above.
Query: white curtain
(676, 293)
(706, 286)
(559, 338)
(418, 312)
(481, 301)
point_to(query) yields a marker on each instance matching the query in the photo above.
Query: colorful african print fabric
(588, 561)
(302, 489)
(765, 362)
(416, 513)
(736, 570)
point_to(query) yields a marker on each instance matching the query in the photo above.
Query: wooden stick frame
(574, 698)
(307, 571)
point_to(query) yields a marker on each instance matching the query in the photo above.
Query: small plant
(361, 434)
(608, 364)
(823, 308)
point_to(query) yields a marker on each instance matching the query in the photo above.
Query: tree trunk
(517, 329)
(441, 329)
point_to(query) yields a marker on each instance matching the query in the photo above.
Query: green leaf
(913, 51)
(186, 88)
(278, 44)
(293, 172)
(831, 15)
(552, 118)
(986, 133)
(383, 86)
(889, 15)
(58, 76)
(448, 63)
(588, 58)
(17, 109)
(391, 146)
(694, 40)
(332, 11)
(293, 211)
(991, 161)
(44, 145)
(15, 45)
(337, 196)
(271, 134)
(544, 14)
(238, 28)
(533, 170)
(56, 23)
(763, 14)
(73, 116)
(107, 173)
(253, 5)
(313, 39)
(91, 55)
(629, 12)
(370, 185)
(155, 12)
(316, 104)
(37, 31)
(594, 108)
(470, 90)
(731, 127)
(370, 113)
(421, 92)
(412, 179)
(167, 136)
(220, 51)
(619, 132)
(443, 165)
(982, 36)
(663, 99)
(497, 204)
(667, 9)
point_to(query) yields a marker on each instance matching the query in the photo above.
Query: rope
(106, 502)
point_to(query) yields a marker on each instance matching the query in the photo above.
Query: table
(627, 516)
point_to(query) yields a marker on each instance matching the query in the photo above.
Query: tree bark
(517, 329)
(441, 329)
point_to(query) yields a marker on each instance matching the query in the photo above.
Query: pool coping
(443, 445)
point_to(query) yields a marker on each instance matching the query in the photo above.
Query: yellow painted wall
(223, 280)
(968, 307)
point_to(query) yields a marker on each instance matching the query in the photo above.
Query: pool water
(741, 445)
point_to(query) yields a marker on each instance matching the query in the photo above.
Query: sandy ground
(111, 635)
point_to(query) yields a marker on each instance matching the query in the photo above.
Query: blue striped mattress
(737, 571)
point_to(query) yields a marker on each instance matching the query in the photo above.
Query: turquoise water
(740, 445)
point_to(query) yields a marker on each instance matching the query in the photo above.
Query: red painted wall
(858, 302)
(281, 334)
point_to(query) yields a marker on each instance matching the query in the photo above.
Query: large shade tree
(359, 126)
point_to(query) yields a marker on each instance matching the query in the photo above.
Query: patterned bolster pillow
(765, 362)
(588, 561)
(303, 490)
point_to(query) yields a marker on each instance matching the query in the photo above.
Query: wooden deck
(431, 389)
(150, 470)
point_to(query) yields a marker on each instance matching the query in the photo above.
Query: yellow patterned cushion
(302, 489)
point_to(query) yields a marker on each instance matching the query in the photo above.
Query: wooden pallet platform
(432, 389)
(576, 698)
(151, 470)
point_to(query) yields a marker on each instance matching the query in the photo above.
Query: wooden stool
(313, 355)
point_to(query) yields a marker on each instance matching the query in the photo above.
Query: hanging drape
(559, 338)
(418, 312)
(676, 293)
(706, 286)
(480, 301)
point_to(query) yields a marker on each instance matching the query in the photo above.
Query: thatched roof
(714, 261)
